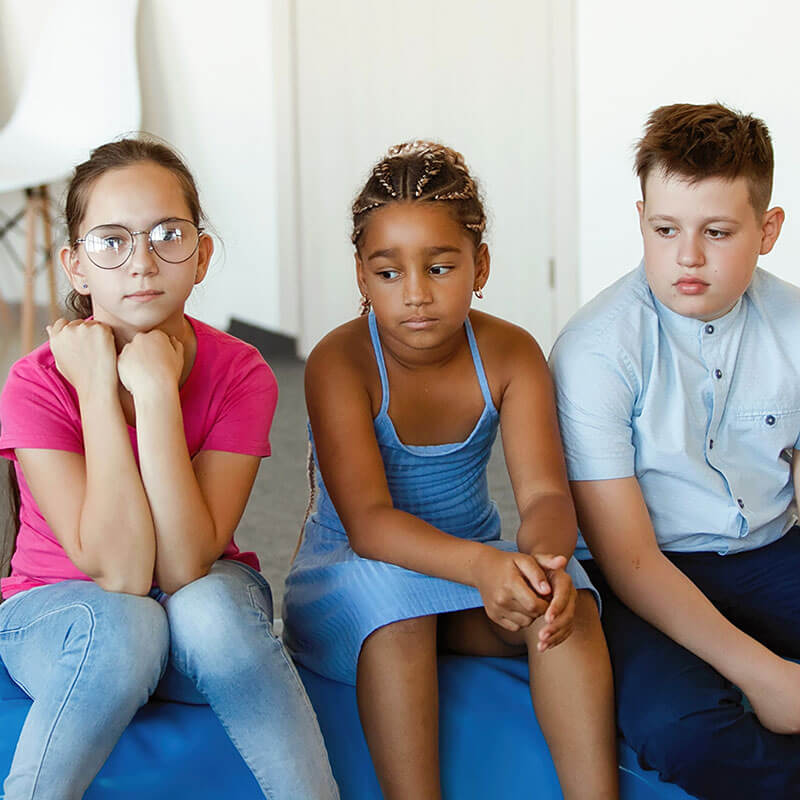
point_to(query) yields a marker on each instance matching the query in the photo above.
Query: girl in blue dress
(403, 558)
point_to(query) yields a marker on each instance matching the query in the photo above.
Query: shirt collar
(679, 325)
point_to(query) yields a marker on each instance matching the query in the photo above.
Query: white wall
(207, 87)
(633, 56)
(208, 78)
(488, 95)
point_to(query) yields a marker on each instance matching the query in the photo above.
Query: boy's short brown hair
(708, 141)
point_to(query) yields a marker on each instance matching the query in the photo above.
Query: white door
(473, 75)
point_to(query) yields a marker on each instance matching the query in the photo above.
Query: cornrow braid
(461, 194)
(383, 173)
(433, 166)
(422, 171)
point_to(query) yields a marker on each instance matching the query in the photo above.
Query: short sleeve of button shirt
(595, 395)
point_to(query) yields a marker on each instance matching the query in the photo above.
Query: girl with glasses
(403, 555)
(136, 433)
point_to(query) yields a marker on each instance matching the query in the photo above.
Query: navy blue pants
(678, 713)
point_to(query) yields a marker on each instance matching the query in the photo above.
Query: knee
(587, 615)
(219, 612)
(681, 743)
(405, 631)
(129, 643)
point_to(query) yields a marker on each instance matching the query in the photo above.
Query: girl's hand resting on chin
(150, 361)
(84, 353)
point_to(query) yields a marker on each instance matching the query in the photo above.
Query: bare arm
(340, 412)
(613, 518)
(195, 506)
(533, 452)
(95, 504)
(341, 420)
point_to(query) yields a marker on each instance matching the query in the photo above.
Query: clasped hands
(518, 588)
(86, 355)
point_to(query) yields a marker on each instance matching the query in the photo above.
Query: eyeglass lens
(109, 246)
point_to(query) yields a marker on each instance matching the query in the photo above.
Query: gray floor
(271, 522)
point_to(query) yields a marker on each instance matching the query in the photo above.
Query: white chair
(82, 89)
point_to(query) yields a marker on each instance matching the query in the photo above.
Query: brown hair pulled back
(708, 141)
(113, 155)
(116, 155)
(421, 172)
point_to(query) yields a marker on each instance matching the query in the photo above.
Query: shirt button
(717, 373)
(709, 329)
(710, 444)
(740, 502)
(769, 419)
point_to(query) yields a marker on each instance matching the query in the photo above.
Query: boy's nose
(690, 253)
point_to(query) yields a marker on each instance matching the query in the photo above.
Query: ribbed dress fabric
(335, 599)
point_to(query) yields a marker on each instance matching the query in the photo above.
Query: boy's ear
(482, 266)
(640, 210)
(70, 263)
(771, 225)
(205, 249)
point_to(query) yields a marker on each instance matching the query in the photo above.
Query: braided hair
(420, 171)
(417, 171)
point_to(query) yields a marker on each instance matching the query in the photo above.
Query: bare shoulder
(343, 363)
(345, 349)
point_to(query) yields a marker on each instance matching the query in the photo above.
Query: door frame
(562, 179)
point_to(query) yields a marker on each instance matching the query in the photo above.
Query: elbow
(361, 537)
(122, 578)
(124, 584)
(629, 576)
(357, 544)
(172, 582)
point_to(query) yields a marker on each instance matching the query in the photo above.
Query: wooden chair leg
(27, 321)
(5, 313)
(44, 200)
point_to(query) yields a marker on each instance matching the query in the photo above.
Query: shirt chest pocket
(765, 437)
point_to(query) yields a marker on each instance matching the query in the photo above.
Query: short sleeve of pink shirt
(228, 402)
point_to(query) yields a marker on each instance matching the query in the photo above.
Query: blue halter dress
(335, 598)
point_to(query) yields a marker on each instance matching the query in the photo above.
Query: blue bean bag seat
(169, 751)
(490, 744)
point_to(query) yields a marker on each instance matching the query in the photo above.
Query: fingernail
(543, 586)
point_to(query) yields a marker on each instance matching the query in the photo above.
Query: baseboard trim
(270, 344)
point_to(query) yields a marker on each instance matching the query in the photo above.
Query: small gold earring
(478, 292)
(366, 305)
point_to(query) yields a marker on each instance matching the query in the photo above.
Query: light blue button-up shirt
(699, 412)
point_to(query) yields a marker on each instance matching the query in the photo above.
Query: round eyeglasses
(173, 240)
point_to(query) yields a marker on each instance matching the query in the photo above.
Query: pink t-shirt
(228, 402)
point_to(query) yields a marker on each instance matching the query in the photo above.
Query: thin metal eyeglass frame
(133, 234)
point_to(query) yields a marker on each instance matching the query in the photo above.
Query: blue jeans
(677, 712)
(90, 658)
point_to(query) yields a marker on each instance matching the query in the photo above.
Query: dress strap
(376, 346)
(476, 360)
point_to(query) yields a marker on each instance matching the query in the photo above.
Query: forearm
(186, 545)
(548, 525)
(116, 542)
(662, 595)
(388, 534)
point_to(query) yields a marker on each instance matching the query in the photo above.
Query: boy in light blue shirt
(678, 393)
